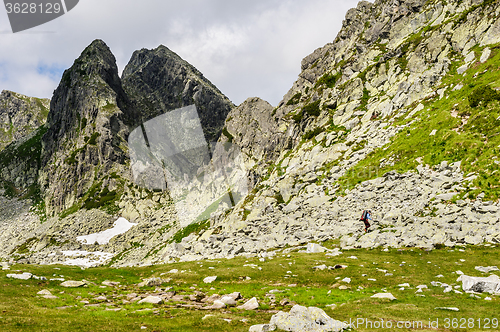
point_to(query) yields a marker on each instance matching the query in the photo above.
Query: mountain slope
(399, 115)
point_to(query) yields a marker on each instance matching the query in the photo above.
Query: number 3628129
(33, 8)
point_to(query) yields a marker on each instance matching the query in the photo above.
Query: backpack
(363, 215)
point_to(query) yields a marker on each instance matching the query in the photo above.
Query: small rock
(320, 267)
(218, 304)
(154, 282)
(284, 302)
(44, 292)
(384, 296)
(486, 54)
(197, 296)
(314, 248)
(24, 276)
(209, 280)
(228, 300)
(110, 283)
(251, 304)
(447, 308)
(462, 69)
(486, 269)
(151, 300)
(262, 328)
(73, 284)
(236, 295)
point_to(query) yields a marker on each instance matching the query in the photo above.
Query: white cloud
(246, 48)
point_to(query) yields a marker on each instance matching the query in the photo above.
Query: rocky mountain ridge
(398, 114)
(19, 115)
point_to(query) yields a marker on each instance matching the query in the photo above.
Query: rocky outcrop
(20, 115)
(87, 130)
(160, 81)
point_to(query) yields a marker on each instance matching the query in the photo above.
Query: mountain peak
(160, 81)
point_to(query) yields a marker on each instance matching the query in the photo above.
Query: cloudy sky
(246, 48)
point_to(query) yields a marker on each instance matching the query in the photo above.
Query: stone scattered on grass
(251, 304)
(209, 280)
(486, 269)
(388, 296)
(154, 282)
(23, 276)
(218, 304)
(228, 300)
(151, 300)
(73, 284)
(46, 294)
(447, 308)
(262, 328)
(314, 248)
(110, 283)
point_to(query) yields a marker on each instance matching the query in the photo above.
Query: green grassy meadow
(290, 276)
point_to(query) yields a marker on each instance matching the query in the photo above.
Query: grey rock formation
(306, 319)
(86, 132)
(160, 81)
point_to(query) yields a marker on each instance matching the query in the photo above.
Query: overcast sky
(246, 48)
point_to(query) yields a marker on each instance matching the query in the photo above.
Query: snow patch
(120, 226)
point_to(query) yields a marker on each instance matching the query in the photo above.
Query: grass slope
(467, 124)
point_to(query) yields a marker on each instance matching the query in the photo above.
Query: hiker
(365, 216)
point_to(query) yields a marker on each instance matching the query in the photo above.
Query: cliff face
(20, 115)
(87, 130)
(160, 81)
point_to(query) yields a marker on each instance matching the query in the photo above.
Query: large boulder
(306, 319)
(489, 284)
